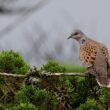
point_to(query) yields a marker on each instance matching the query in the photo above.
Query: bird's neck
(83, 40)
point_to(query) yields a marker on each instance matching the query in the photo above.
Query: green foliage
(23, 106)
(61, 93)
(74, 68)
(2, 107)
(106, 96)
(53, 66)
(12, 62)
(42, 99)
(90, 104)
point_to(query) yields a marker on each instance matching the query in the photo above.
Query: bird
(94, 56)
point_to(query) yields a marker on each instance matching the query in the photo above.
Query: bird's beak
(69, 37)
(74, 37)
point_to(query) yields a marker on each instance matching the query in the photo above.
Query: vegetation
(53, 66)
(12, 62)
(40, 98)
(74, 68)
(53, 93)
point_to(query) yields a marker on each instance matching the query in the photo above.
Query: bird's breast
(88, 54)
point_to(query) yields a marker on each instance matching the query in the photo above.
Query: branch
(12, 75)
(65, 74)
(42, 74)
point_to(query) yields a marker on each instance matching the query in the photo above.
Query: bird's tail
(101, 68)
(103, 81)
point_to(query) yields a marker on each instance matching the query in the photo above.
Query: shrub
(106, 96)
(90, 104)
(12, 62)
(53, 66)
(42, 99)
(23, 106)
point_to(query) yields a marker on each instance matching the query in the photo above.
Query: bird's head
(79, 36)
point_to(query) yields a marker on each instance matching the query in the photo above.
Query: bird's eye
(76, 33)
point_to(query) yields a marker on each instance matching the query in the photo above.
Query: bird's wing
(89, 50)
(100, 66)
(105, 52)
